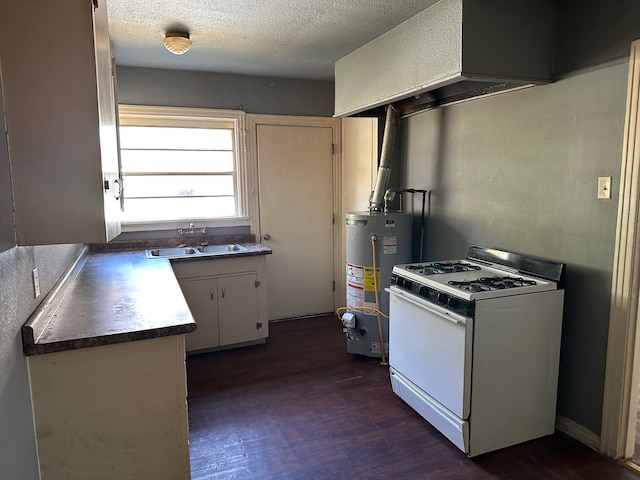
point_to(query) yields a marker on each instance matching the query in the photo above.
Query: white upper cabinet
(61, 120)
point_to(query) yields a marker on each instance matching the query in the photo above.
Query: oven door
(432, 348)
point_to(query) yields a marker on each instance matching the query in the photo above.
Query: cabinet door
(202, 298)
(119, 412)
(238, 309)
(7, 229)
(108, 120)
(60, 120)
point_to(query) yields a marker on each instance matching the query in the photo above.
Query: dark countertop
(109, 298)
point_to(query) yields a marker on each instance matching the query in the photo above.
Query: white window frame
(139, 115)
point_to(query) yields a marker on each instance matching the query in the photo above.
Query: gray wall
(592, 31)
(18, 459)
(251, 94)
(519, 171)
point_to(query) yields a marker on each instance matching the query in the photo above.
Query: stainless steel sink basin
(171, 252)
(213, 249)
(182, 252)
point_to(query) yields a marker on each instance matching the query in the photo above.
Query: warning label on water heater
(362, 277)
(389, 245)
(360, 281)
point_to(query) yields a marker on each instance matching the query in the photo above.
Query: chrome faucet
(192, 230)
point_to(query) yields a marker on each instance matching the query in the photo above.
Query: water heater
(388, 236)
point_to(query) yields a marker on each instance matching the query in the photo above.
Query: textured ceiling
(283, 38)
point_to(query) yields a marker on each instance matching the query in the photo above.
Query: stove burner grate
(485, 284)
(442, 267)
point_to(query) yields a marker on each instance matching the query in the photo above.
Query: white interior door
(295, 168)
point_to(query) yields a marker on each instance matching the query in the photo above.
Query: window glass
(174, 161)
(171, 138)
(180, 168)
(159, 209)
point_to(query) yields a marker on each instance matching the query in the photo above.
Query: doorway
(622, 377)
(297, 167)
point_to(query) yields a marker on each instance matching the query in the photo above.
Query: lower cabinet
(227, 298)
(111, 412)
(202, 298)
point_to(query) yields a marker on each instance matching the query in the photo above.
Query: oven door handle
(436, 310)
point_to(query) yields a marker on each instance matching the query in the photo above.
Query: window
(181, 166)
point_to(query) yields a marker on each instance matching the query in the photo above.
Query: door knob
(267, 236)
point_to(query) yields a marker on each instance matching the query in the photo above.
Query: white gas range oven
(474, 345)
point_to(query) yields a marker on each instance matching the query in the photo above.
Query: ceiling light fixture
(177, 42)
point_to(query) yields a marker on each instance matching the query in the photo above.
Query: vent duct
(392, 120)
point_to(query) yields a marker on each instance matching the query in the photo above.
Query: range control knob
(452, 302)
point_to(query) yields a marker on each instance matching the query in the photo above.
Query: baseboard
(305, 317)
(578, 432)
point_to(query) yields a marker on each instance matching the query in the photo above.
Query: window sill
(198, 224)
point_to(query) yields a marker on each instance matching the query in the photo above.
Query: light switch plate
(36, 283)
(604, 187)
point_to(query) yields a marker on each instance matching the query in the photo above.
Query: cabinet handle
(211, 294)
(258, 283)
(117, 189)
(267, 237)
(258, 325)
(223, 293)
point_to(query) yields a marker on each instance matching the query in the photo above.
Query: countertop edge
(40, 318)
(99, 341)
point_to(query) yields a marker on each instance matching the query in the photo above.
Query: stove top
(485, 273)
(468, 279)
(441, 267)
(485, 284)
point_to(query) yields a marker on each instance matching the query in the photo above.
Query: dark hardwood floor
(301, 407)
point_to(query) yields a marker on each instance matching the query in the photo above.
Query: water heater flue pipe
(392, 120)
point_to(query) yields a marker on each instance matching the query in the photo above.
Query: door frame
(622, 373)
(253, 121)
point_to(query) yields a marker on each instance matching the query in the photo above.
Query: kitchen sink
(171, 252)
(181, 252)
(213, 249)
